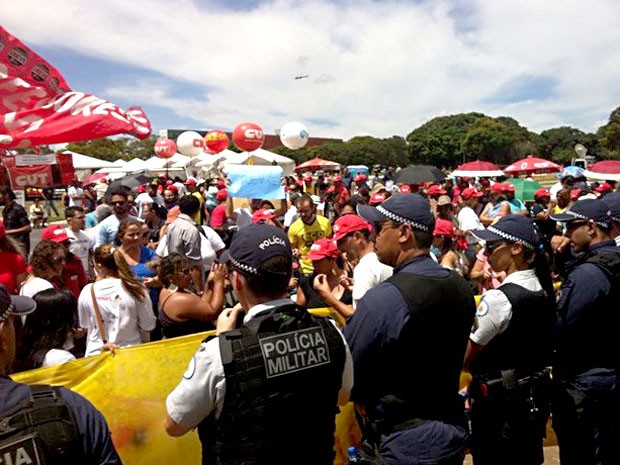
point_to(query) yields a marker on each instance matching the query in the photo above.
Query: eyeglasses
(491, 247)
(380, 227)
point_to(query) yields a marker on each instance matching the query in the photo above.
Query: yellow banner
(130, 390)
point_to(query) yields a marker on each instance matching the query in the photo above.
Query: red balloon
(248, 137)
(217, 140)
(165, 148)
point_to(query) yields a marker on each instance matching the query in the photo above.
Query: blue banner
(255, 181)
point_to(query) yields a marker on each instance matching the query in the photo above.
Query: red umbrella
(532, 165)
(317, 164)
(605, 170)
(478, 168)
(95, 177)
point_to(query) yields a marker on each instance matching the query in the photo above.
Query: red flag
(37, 106)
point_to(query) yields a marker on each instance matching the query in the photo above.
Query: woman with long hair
(327, 286)
(13, 268)
(115, 310)
(47, 335)
(497, 206)
(510, 347)
(181, 311)
(142, 260)
(445, 248)
(46, 265)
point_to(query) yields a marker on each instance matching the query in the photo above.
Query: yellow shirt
(198, 195)
(303, 235)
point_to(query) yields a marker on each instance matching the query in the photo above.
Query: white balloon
(190, 143)
(294, 135)
(581, 150)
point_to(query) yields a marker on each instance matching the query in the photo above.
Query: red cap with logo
(542, 193)
(603, 188)
(263, 214)
(405, 189)
(54, 233)
(221, 195)
(349, 223)
(436, 190)
(376, 199)
(323, 248)
(470, 193)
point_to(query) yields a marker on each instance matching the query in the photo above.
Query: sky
(378, 68)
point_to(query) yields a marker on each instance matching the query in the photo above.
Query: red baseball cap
(498, 187)
(191, 182)
(359, 178)
(508, 187)
(337, 178)
(541, 193)
(221, 195)
(263, 214)
(349, 223)
(470, 193)
(169, 182)
(172, 188)
(405, 189)
(323, 248)
(220, 184)
(376, 199)
(141, 189)
(54, 233)
(435, 190)
(308, 178)
(603, 188)
(444, 228)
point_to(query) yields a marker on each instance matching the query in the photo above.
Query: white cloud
(377, 68)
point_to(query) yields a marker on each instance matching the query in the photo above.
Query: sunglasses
(491, 247)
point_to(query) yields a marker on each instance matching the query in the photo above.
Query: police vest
(526, 345)
(40, 430)
(283, 373)
(422, 368)
(596, 331)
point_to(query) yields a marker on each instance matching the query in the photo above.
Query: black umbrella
(418, 174)
(131, 180)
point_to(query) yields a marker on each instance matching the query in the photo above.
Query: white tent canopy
(262, 157)
(84, 162)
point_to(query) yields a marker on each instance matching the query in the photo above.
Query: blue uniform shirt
(96, 439)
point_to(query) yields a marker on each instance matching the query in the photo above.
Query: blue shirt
(93, 429)
(141, 270)
(109, 229)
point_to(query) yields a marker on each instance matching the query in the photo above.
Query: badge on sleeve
(191, 369)
(482, 309)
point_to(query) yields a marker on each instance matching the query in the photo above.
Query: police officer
(510, 348)
(586, 403)
(41, 424)
(407, 337)
(265, 392)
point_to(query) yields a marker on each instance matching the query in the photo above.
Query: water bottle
(354, 455)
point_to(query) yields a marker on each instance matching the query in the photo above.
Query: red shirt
(12, 265)
(218, 216)
(73, 276)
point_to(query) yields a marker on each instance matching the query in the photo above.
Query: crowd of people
(433, 370)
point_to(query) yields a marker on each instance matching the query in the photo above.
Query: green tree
(438, 141)
(609, 137)
(104, 149)
(558, 144)
(494, 139)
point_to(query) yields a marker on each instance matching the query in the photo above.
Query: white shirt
(290, 216)
(494, 310)
(141, 200)
(123, 316)
(34, 285)
(367, 274)
(210, 247)
(75, 191)
(203, 387)
(80, 244)
(56, 357)
(469, 221)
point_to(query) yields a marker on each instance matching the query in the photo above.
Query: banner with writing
(255, 181)
(130, 389)
(38, 107)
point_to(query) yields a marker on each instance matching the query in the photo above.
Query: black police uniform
(586, 402)
(43, 425)
(408, 338)
(509, 390)
(283, 360)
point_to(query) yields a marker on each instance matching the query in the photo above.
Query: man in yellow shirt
(306, 229)
(192, 188)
